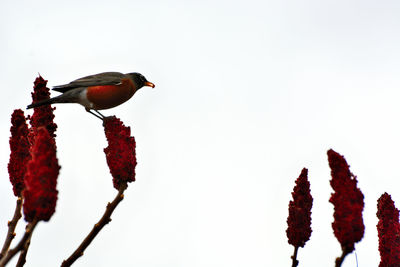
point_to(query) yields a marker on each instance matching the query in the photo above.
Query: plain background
(247, 94)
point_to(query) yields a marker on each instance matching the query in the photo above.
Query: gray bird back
(104, 78)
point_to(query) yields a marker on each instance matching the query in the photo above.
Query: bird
(97, 92)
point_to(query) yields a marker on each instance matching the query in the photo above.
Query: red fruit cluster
(40, 194)
(20, 154)
(348, 202)
(42, 116)
(388, 231)
(299, 219)
(121, 151)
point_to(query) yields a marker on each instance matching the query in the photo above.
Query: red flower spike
(388, 231)
(121, 151)
(20, 155)
(42, 116)
(348, 202)
(40, 194)
(299, 219)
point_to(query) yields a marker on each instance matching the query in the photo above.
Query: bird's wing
(105, 78)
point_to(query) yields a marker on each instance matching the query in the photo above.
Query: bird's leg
(100, 116)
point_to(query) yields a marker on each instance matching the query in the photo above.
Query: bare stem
(340, 260)
(295, 262)
(24, 252)
(11, 227)
(11, 253)
(105, 219)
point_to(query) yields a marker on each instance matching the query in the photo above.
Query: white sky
(247, 94)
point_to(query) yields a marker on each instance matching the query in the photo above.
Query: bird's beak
(149, 84)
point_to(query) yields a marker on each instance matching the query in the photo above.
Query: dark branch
(24, 252)
(96, 228)
(295, 262)
(11, 227)
(11, 253)
(340, 260)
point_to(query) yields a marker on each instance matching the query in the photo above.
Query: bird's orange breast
(109, 96)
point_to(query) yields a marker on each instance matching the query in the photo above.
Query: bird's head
(139, 80)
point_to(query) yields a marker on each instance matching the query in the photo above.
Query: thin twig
(11, 253)
(105, 219)
(11, 227)
(340, 260)
(22, 255)
(295, 262)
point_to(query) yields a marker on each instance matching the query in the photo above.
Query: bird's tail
(72, 96)
(44, 102)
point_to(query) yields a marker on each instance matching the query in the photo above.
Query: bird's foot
(97, 114)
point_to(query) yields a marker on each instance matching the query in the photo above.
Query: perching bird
(100, 91)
